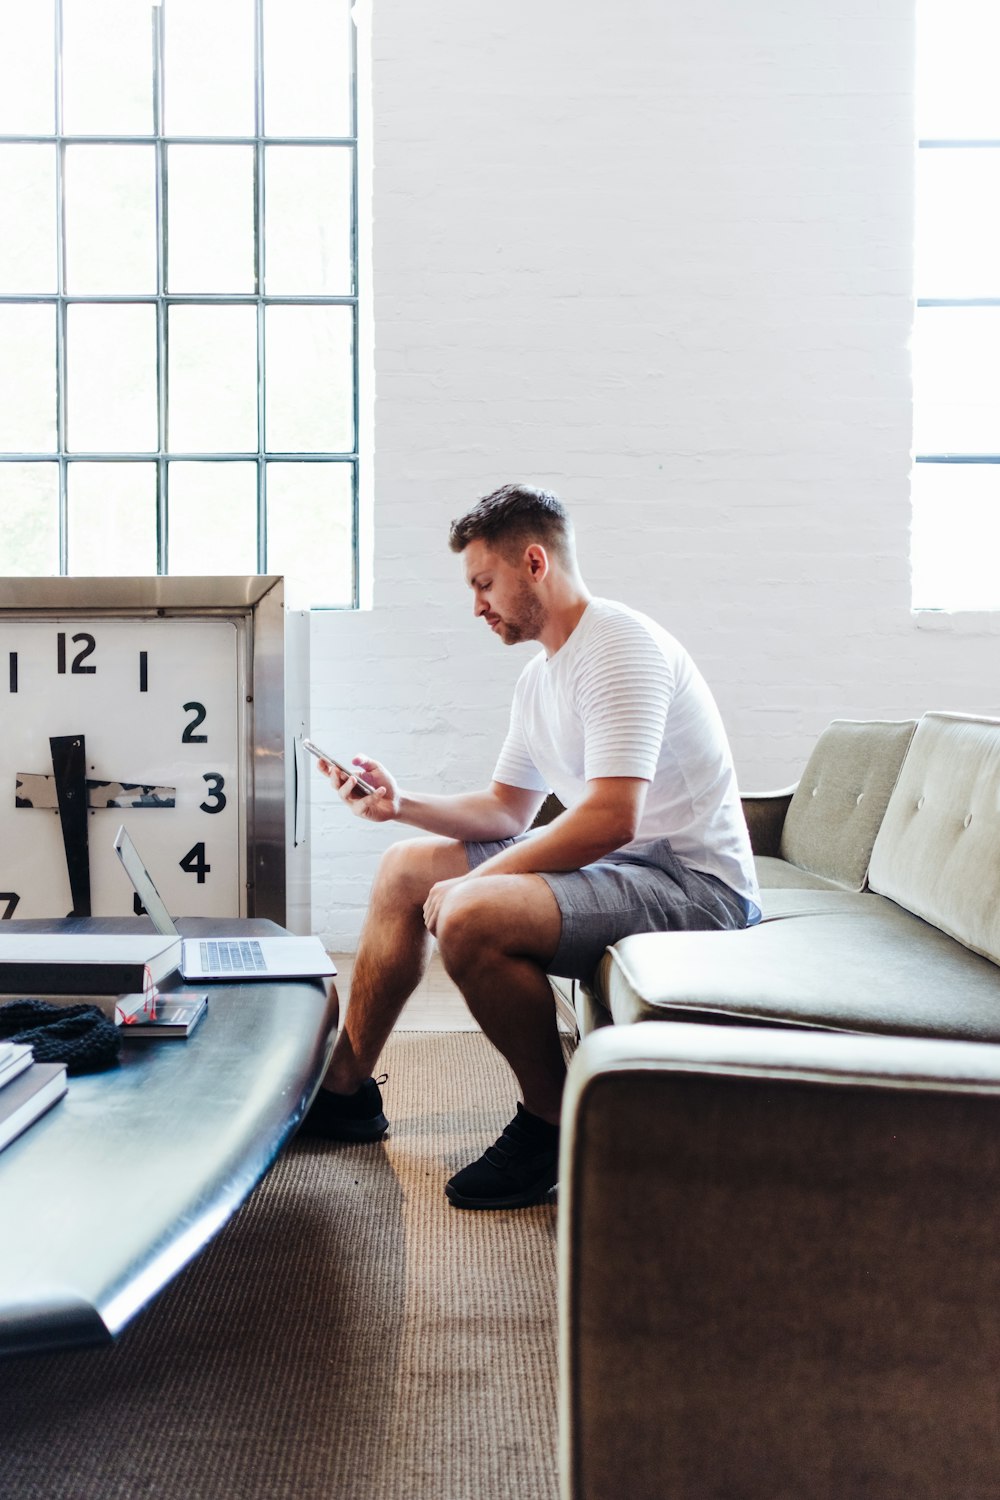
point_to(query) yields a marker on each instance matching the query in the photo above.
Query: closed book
(174, 1017)
(28, 1096)
(85, 964)
(14, 1058)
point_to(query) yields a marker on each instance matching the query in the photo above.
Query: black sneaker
(348, 1117)
(519, 1169)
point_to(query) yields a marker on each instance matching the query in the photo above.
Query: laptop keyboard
(241, 956)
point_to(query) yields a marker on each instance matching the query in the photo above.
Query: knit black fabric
(81, 1036)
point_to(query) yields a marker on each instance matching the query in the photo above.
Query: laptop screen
(142, 882)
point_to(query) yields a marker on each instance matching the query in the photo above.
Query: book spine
(73, 979)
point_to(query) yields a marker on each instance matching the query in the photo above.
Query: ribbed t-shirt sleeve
(624, 690)
(515, 766)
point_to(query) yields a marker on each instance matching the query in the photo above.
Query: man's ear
(538, 561)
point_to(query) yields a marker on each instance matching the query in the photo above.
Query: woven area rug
(348, 1336)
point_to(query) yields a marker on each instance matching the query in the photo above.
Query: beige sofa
(780, 1270)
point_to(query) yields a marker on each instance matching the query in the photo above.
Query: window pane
(957, 47)
(27, 378)
(210, 219)
(212, 510)
(29, 520)
(307, 88)
(212, 379)
(209, 50)
(956, 380)
(309, 526)
(956, 536)
(310, 399)
(111, 378)
(958, 223)
(107, 67)
(27, 94)
(28, 196)
(111, 521)
(110, 220)
(307, 242)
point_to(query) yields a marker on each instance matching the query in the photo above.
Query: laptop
(224, 956)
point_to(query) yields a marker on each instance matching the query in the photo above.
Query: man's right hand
(381, 806)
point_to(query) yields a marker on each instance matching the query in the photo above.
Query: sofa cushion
(593, 1000)
(862, 965)
(938, 850)
(778, 874)
(787, 901)
(838, 805)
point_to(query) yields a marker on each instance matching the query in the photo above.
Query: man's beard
(528, 622)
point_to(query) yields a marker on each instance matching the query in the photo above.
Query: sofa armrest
(778, 1271)
(765, 815)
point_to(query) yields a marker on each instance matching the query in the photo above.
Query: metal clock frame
(256, 605)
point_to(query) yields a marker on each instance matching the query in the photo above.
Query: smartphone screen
(363, 786)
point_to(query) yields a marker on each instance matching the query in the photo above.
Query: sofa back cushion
(833, 818)
(938, 850)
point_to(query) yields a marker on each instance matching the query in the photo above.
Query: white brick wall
(659, 257)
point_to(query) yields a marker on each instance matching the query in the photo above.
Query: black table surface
(107, 1196)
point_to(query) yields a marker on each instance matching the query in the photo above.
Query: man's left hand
(435, 898)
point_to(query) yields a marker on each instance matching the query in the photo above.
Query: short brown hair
(512, 517)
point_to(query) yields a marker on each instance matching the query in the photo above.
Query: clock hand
(33, 790)
(69, 766)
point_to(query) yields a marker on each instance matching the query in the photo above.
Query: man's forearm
(569, 842)
(468, 815)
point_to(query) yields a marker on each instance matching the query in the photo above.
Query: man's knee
(408, 869)
(481, 920)
(467, 926)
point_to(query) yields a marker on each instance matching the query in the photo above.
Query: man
(613, 716)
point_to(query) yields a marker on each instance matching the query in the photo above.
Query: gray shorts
(625, 893)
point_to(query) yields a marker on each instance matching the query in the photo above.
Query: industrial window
(178, 290)
(956, 346)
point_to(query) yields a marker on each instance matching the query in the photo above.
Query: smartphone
(362, 785)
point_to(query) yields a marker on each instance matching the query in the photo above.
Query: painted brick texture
(658, 257)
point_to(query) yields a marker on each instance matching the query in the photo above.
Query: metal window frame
(61, 300)
(953, 143)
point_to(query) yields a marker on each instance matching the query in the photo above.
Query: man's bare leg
(496, 934)
(392, 954)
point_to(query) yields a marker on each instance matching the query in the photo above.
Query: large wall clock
(154, 702)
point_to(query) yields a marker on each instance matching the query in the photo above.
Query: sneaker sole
(355, 1132)
(541, 1192)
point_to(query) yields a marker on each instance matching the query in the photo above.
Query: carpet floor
(347, 1336)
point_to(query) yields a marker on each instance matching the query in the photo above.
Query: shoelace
(515, 1135)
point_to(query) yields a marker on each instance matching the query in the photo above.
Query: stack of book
(27, 1089)
(160, 1015)
(85, 966)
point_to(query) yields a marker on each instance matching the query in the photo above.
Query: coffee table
(106, 1197)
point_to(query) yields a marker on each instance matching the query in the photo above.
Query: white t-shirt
(623, 698)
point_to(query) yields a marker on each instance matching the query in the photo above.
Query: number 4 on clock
(193, 863)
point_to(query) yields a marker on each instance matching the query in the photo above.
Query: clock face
(121, 721)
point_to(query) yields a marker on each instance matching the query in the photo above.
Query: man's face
(503, 594)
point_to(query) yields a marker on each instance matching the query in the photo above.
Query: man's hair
(513, 517)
